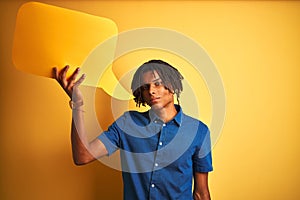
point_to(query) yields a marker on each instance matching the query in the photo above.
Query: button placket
(155, 173)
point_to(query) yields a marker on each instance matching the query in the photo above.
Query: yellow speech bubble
(47, 36)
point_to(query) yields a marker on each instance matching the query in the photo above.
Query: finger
(80, 80)
(55, 73)
(63, 73)
(62, 77)
(74, 75)
(72, 78)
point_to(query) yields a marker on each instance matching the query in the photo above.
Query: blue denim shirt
(158, 160)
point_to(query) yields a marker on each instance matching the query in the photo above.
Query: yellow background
(255, 46)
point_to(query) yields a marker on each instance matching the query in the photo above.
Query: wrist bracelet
(75, 105)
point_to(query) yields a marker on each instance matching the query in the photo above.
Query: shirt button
(160, 143)
(164, 124)
(156, 164)
(152, 185)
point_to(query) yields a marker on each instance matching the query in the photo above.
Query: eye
(145, 87)
(157, 83)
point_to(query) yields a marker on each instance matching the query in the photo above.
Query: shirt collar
(177, 119)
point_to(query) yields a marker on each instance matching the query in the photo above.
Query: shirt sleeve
(111, 137)
(202, 159)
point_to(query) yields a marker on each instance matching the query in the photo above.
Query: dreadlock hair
(170, 76)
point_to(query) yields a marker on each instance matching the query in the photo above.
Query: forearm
(80, 144)
(201, 189)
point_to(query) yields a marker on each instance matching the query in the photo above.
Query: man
(162, 150)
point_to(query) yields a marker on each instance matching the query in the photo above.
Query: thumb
(80, 80)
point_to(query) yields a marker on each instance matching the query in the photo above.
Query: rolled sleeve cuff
(110, 147)
(203, 169)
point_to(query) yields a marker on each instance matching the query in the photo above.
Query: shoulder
(191, 121)
(133, 113)
(129, 119)
(132, 116)
(136, 114)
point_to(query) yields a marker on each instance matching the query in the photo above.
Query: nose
(152, 88)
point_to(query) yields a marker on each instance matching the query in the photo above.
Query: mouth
(154, 100)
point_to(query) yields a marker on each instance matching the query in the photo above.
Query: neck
(166, 114)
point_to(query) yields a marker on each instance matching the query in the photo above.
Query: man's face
(154, 92)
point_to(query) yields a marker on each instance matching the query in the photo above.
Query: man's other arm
(201, 190)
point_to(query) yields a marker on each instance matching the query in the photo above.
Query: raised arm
(83, 151)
